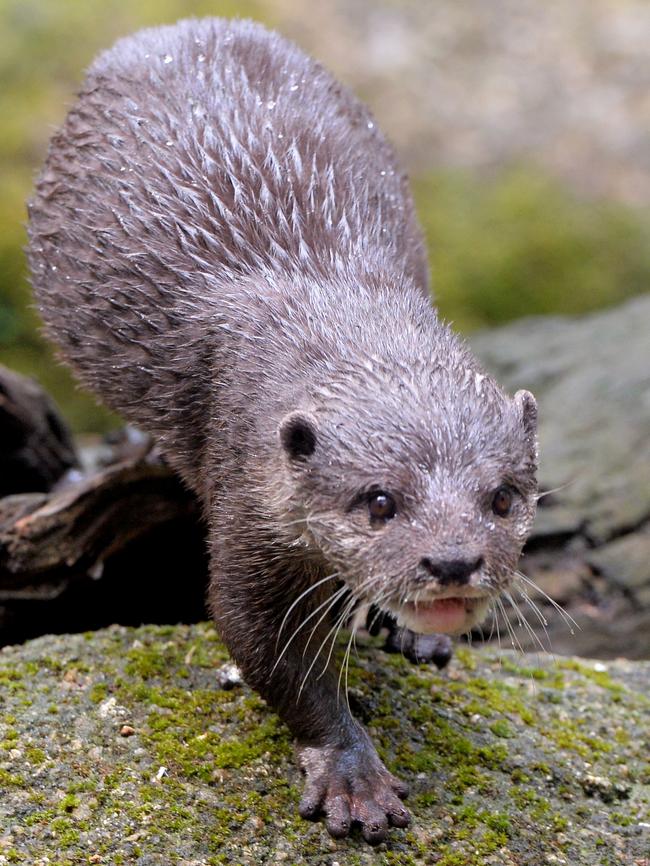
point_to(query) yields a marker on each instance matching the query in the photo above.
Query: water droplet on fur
(169, 143)
(293, 88)
(54, 268)
(371, 125)
(270, 103)
(200, 58)
(382, 173)
(167, 58)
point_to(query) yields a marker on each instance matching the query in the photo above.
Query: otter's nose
(450, 571)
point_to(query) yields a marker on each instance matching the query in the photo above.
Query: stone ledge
(117, 747)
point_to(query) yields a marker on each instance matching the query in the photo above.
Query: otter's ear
(527, 407)
(298, 435)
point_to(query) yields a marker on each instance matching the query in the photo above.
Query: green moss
(568, 734)
(469, 818)
(268, 736)
(448, 858)
(10, 739)
(622, 820)
(536, 807)
(149, 661)
(502, 729)
(45, 816)
(35, 756)
(65, 832)
(32, 668)
(601, 678)
(491, 697)
(98, 692)
(559, 823)
(7, 778)
(11, 680)
(530, 673)
(82, 786)
(518, 776)
(69, 803)
(498, 821)
(464, 657)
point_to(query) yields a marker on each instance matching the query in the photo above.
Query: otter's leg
(417, 648)
(345, 779)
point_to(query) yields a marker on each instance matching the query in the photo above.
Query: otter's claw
(350, 786)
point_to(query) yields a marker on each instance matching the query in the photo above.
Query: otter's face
(422, 515)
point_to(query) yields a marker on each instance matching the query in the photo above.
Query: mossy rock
(119, 747)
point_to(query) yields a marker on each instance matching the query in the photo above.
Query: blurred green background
(504, 243)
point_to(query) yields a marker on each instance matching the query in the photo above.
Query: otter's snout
(451, 571)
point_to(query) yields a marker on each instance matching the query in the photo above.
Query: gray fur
(221, 238)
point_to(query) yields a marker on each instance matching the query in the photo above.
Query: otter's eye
(502, 501)
(381, 506)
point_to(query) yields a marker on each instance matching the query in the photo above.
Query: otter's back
(195, 155)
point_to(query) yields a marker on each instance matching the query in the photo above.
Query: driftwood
(79, 528)
(62, 528)
(124, 544)
(36, 447)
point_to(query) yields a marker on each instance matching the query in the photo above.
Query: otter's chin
(453, 615)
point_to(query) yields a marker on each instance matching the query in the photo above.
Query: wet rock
(590, 547)
(509, 759)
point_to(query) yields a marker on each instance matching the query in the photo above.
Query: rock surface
(118, 747)
(590, 546)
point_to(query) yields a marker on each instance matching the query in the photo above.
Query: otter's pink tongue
(444, 615)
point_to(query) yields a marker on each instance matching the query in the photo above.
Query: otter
(225, 250)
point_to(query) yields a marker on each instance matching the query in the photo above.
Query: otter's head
(420, 498)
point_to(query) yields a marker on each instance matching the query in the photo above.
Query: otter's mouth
(449, 615)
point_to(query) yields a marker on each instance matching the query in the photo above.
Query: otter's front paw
(420, 648)
(351, 786)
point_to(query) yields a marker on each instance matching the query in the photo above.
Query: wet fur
(221, 237)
